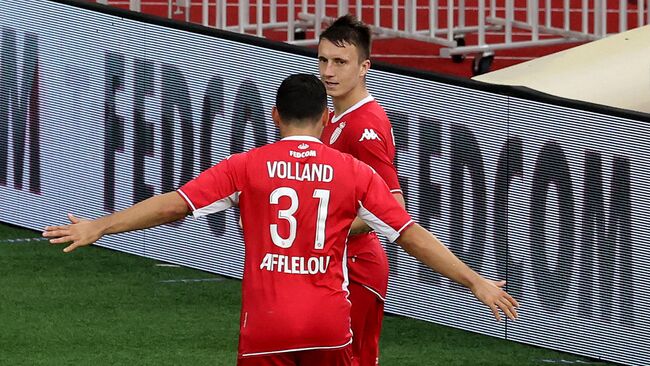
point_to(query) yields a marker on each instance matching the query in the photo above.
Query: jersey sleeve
(378, 208)
(217, 188)
(376, 150)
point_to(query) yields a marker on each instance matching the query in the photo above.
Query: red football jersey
(365, 132)
(298, 199)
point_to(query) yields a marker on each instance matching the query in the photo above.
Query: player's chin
(334, 92)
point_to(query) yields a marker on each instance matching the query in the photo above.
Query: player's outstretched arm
(424, 246)
(154, 211)
(361, 227)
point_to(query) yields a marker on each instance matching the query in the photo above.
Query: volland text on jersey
(300, 171)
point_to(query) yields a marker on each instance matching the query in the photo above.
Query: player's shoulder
(334, 155)
(355, 165)
(369, 125)
(252, 154)
(374, 107)
(265, 149)
(370, 115)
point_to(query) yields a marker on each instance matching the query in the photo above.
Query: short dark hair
(349, 29)
(301, 98)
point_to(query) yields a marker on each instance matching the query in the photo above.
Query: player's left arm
(393, 221)
(423, 245)
(360, 227)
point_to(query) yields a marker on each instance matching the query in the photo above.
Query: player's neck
(344, 102)
(288, 131)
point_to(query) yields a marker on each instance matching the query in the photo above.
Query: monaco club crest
(337, 132)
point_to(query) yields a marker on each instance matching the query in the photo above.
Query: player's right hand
(79, 233)
(491, 293)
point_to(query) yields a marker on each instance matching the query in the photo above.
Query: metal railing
(449, 23)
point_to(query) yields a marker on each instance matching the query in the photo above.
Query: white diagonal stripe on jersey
(358, 105)
(376, 223)
(217, 206)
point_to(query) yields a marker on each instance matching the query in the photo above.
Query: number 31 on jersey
(323, 197)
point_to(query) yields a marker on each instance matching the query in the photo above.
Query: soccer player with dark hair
(298, 199)
(359, 126)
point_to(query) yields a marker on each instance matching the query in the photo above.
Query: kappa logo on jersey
(302, 154)
(369, 134)
(303, 146)
(337, 132)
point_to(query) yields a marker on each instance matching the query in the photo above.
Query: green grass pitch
(100, 307)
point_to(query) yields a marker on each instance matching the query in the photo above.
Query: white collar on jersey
(358, 105)
(301, 138)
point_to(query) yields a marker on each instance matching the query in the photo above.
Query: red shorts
(337, 357)
(367, 262)
(367, 315)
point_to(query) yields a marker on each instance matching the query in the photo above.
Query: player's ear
(276, 116)
(365, 66)
(325, 117)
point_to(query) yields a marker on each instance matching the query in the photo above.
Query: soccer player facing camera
(297, 199)
(359, 126)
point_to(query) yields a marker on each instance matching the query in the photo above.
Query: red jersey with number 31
(298, 199)
(365, 132)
